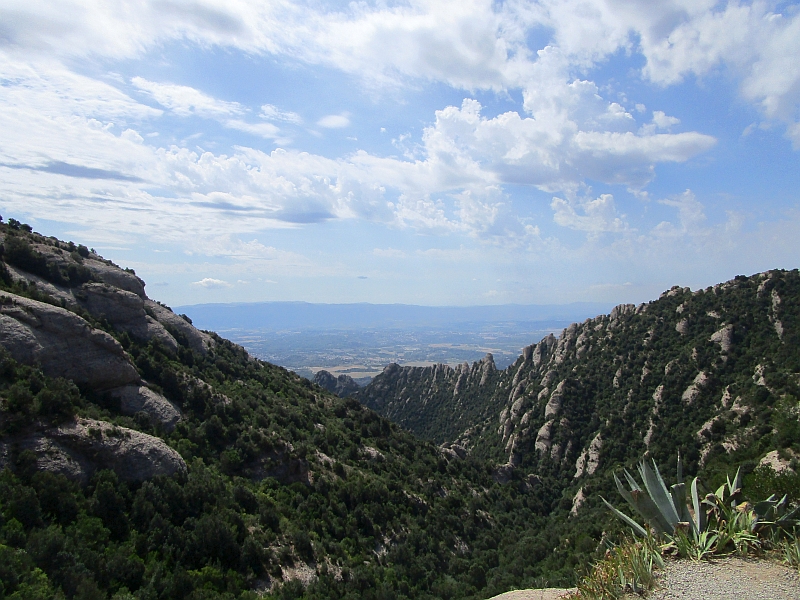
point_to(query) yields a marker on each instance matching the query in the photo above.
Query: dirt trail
(725, 579)
(729, 578)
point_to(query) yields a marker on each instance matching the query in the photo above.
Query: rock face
(138, 398)
(125, 311)
(343, 385)
(62, 344)
(79, 448)
(116, 277)
(196, 339)
(103, 290)
(54, 336)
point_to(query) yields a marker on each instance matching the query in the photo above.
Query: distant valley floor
(362, 354)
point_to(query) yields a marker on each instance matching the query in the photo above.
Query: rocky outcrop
(84, 281)
(62, 344)
(724, 337)
(179, 326)
(134, 399)
(774, 461)
(79, 448)
(125, 311)
(113, 275)
(343, 385)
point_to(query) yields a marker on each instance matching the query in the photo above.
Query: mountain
(712, 374)
(343, 385)
(143, 458)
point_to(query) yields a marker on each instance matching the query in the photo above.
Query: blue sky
(440, 153)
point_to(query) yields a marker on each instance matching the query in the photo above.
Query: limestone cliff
(65, 296)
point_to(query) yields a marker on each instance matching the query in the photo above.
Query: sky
(422, 152)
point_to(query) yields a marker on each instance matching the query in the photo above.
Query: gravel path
(726, 579)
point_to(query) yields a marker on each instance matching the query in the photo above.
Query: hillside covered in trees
(140, 457)
(143, 458)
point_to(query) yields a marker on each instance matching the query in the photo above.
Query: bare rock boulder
(79, 448)
(139, 398)
(197, 340)
(125, 311)
(62, 344)
(113, 275)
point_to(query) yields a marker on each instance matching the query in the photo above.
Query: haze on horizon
(420, 152)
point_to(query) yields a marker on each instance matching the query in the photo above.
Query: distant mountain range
(304, 315)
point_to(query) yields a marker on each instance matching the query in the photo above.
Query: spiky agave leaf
(639, 501)
(678, 493)
(700, 518)
(631, 481)
(735, 486)
(637, 529)
(660, 495)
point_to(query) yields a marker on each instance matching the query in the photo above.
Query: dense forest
(284, 490)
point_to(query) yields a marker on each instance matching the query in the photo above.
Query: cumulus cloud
(663, 121)
(567, 131)
(454, 184)
(475, 44)
(552, 153)
(691, 213)
(212, 284)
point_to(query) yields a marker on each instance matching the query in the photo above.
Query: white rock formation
(62, 344)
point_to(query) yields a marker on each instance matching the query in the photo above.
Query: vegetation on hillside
(289, 489)
(295, 493)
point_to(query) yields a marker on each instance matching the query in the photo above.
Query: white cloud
(662, 121)
(551, 153)
(593, 216)
(185, 101)
(212, 284)
(691, 213)
(474, 44)
(273, 113)
(334, 121)
(265, 130)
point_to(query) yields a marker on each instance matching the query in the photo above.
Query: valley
(144, 455)
(363, 354)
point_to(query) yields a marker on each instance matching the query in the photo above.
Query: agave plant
(663, 509)
(668, 512)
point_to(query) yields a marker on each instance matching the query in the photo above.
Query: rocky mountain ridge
(60, 337)
(712, 373)
(343, 386)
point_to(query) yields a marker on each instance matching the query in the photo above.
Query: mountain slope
(143, 458)
(713, 374)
